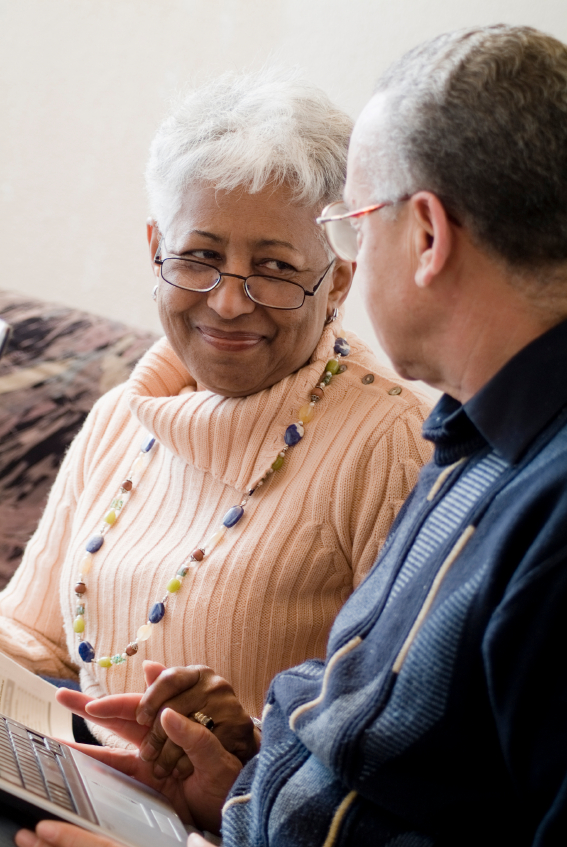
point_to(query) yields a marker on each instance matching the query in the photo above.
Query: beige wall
(85, 82)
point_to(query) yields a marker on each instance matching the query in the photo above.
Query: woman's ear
(433, 237)
(154, 237)
(341, 282)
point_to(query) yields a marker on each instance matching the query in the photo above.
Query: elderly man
(440, 714)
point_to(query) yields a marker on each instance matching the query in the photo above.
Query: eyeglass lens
(341, 235)
(266, 291)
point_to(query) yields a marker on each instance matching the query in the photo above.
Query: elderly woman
(220, 506)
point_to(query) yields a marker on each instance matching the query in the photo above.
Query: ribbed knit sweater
(266, 597)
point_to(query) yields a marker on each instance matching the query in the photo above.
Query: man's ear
(343, 273)
(433, 238)
(154, 237)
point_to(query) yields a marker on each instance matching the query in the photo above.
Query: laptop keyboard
(29, 760)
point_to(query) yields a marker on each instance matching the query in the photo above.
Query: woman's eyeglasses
(270, 291)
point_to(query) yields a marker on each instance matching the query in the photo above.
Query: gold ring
(204, 720)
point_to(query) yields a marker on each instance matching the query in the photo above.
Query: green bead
(174, 585)
(105, 662)
(79, 624)
(332, 366)
(278, 463)
(118, 659)
(183, 571)
(80, 610)
(326, 379)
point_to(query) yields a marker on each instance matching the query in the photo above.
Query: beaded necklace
(293, 434)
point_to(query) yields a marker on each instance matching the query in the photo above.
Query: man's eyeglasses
(270, 291)
(336, 222)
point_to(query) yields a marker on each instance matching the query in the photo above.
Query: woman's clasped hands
(189, 690)
(192, 765)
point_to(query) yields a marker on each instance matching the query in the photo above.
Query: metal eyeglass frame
(159, 261)
(358, 213)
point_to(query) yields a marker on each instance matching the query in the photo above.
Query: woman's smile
(229, 341)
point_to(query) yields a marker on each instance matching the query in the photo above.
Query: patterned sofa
(58, 363)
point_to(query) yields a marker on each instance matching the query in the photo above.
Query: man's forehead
(370, 120)
(363, 151)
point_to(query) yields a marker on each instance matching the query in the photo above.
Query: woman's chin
(240, 380)
(232, 391)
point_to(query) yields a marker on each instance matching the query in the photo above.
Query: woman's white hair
(247, 131)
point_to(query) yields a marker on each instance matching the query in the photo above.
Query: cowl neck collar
(236, 439)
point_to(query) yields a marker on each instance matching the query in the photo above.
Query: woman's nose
(229, 299)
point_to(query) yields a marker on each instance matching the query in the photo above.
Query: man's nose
(229, 298)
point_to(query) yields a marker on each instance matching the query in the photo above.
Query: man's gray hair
(479, 117)
(247, 131)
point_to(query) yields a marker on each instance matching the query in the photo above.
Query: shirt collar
(511, 409)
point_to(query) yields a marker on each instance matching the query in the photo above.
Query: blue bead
(342, 346)
(292, 435)
(86, 651)
(156, 613)
(148, 444)
(233, 516)
(95, 543)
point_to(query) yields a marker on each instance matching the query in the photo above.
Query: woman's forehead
(265, 219)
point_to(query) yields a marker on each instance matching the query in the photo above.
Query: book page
(29, 699)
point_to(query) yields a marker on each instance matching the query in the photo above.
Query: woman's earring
(154, 292)
(332, 317)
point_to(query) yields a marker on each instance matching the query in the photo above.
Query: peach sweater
(266, 597)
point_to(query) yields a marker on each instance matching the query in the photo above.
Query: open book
(30, 700)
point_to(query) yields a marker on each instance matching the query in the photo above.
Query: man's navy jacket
(440, 714)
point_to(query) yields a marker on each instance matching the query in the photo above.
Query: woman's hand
(137, 717)
(56, 834)
(116, 713)
(193, 841)
(188, 690)
(197, 799)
